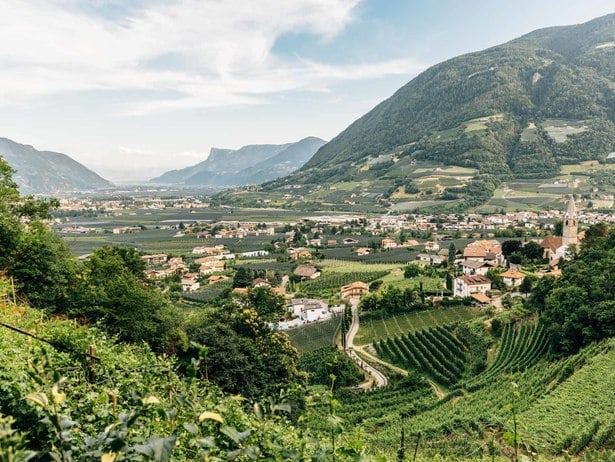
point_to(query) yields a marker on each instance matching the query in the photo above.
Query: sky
(134, 88)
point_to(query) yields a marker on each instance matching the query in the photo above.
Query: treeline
(579, 307)
(393, 300)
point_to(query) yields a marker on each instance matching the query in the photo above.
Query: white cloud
(186, 54)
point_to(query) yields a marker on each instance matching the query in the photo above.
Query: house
(410, 243)
(260, 282)
(309, 309)
(255, 253)
(127, 230)
(331, 242)
(476, 267)
(388, 244)
(216, 278)
(512, 278)
(316, 242)
(362, 251)
(355, 289)
(157, 259)
(306, 272)
(211, 267)
(467, 285)
(432, 259)
(481, 299)
(484, 250)
(432, 246)
(300, 254)
(350, 241)
(190, 282)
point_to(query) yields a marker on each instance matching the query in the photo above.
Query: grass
(376, 329)
(396, 279)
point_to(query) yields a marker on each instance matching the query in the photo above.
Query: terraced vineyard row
(316, 335)
(435, 352)
(372, 330)
(580, 404)
(446, 424)
(519, 349)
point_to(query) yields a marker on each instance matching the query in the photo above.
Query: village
(315, 266)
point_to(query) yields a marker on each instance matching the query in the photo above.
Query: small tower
(571, 224)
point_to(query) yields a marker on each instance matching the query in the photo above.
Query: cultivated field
(394, 326)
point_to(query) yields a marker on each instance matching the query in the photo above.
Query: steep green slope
(521, 108)
(48, 172)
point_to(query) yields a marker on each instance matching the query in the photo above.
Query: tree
(412, 271)
(527, 283)
(324, 361)
(269, 305)
(243, 277)
(510, 247)
(532, 251)
(452, 252)
(109, 291)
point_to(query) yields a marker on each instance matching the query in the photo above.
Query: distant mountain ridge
(250, 164)
(519, 109)
(48, 172)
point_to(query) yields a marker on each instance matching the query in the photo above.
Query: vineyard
(456, 424)
(580, 403)
(436, 352)
(373, 330)
(520, 347)
(332, 282)
(315, 335)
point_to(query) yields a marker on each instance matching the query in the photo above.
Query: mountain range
(520, 109)
(250, 164)
(48, 172)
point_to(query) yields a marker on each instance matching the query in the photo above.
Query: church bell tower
(571, 224)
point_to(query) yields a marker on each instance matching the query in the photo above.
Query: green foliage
(321, 363)
(243, 354)
(579, 307)
(315, 335)
(436, 352)
(136, 408)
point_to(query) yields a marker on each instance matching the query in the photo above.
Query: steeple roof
(572, 209)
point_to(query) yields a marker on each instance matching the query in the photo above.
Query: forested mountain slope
(522, 108)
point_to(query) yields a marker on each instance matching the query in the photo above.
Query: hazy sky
(134, 88)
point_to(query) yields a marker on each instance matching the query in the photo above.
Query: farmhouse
(350, 241)
(432, 246)
(467, 285)
(309, 309)
(156, 259)
(306, 272)
(512, 278)
(190, 282)
(389, 244)
(355, 289)
(476, 267)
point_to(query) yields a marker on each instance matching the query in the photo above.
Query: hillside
(250, 164)
(47, 172)
(520, 109)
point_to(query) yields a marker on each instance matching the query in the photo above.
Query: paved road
(377, 378)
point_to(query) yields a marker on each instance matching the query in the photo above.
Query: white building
(309, 309)
(467, 285)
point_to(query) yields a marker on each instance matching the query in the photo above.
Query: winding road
(377, 378)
